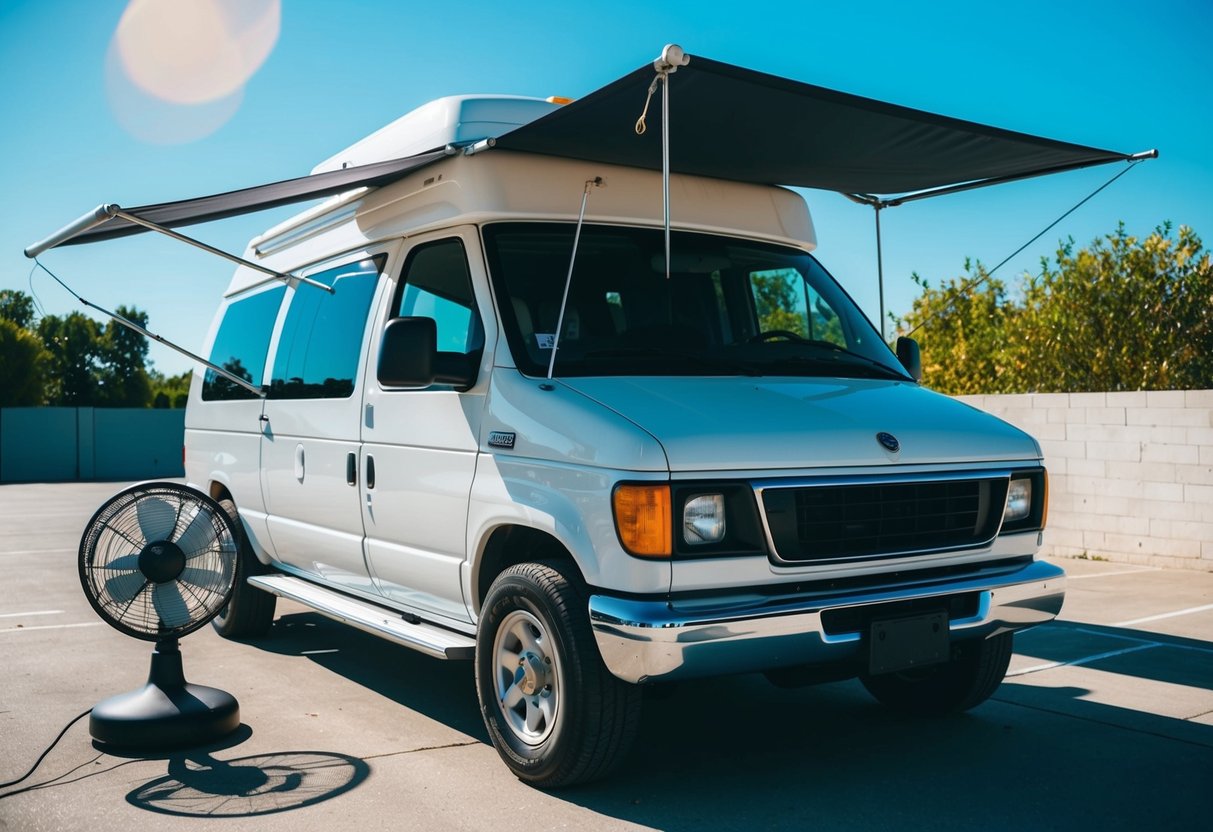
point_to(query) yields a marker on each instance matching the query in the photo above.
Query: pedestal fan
(158, 561)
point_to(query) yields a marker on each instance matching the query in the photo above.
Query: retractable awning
(729, 122)
(725, 122)
(103, 223)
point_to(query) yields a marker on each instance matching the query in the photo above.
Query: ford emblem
(889, 442)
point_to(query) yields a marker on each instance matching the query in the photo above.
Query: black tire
(561, 718)
(961, 684)
(250, 611)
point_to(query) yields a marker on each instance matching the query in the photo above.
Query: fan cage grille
(127, 524)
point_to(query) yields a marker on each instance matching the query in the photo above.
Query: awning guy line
(129, 324)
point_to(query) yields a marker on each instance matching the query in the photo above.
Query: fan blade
(123, 588)
(198, 535)
(126, 563)
(156, 519)
(170, 606)
(205, 579)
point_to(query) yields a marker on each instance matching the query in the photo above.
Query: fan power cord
(38, 762)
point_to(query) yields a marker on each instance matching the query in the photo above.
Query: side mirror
(409, 357)
(407, 353)
(910, 356)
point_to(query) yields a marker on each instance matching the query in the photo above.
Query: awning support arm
(103, 213)
(879, 204)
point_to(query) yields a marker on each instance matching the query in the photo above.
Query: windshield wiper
(853, 360)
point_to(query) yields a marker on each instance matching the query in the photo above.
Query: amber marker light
(1044, 509)
(559, 99)
(644, 520)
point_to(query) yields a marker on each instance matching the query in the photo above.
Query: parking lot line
(1110, 574)
(35, 612)
(1086, 659)
(39, 551)
(50, 627)
(1161, 616)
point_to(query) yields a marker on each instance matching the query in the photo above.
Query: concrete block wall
(1130, 474)
(59, 444)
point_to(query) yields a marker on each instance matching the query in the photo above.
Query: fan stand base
(168, 712)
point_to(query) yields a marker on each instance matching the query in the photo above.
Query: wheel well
(511, 545)
(219, 492)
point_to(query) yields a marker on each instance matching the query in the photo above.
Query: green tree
(73, 343)
(123, 373)
(18, 307)
(23, 364)
(170, 391)
(1121, 314)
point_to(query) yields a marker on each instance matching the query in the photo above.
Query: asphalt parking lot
(1105, 722)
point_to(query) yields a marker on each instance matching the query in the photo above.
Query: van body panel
(423, 444)
(555, 422)
(731, 422)
(569, 502)
(311, 435)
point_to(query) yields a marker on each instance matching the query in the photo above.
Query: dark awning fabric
(733, 123)
(727, 123)
(259, 198)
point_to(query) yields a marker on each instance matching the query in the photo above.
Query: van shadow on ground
(739, 753)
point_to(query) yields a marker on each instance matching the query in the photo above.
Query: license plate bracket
(908, 642)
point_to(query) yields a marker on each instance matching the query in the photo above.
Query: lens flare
(195, 51)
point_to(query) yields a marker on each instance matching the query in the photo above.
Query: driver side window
(437, 285)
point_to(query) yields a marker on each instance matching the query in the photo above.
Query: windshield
(730, 307)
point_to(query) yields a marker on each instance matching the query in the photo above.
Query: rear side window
(241, 344)
(321, 340)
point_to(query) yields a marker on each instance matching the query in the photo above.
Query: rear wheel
(554, 712)
(961, 684)
(250, 611)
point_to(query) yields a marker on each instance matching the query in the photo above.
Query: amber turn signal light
(644, 520)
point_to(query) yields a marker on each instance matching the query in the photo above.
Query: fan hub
(161, 561)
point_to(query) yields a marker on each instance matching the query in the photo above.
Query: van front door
(421, 444)
(310, 434)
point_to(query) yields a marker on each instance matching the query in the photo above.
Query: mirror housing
(910, 356)
(409, 357)
(407, 353)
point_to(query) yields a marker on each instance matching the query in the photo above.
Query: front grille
(873, 520)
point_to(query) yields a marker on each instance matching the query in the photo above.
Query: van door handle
(351, 469)
(370, 472)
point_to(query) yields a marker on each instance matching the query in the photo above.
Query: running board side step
(379, 621)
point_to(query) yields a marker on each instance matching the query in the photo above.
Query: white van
(589, 476)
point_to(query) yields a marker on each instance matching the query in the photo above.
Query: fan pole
(167, 712)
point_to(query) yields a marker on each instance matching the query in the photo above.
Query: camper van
(510, 418)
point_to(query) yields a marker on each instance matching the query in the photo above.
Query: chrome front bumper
(647, 641)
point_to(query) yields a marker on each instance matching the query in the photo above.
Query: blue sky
(1115, 75)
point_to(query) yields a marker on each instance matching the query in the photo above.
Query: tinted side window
(242, 343)
(321, 338)
(437, 285)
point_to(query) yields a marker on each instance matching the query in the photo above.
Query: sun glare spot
(195, 51)
(176, 69)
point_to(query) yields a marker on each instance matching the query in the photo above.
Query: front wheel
(553, 711)
(249, 612)
(961, 684)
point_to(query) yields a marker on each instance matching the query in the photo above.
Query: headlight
(703, 519)
(1019, 500)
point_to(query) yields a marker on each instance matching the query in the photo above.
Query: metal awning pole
(168, 232)
(879, 267)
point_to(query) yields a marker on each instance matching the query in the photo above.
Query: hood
(728, 423)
